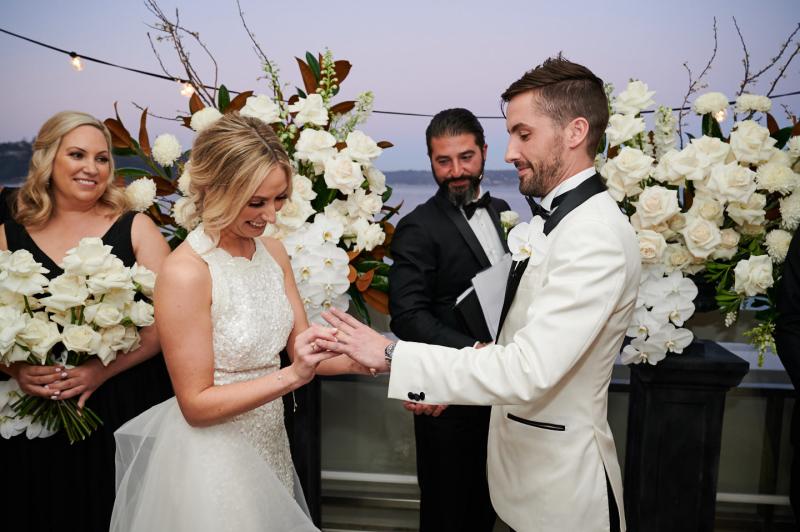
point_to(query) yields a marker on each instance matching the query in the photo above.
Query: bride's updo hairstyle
(229, 161)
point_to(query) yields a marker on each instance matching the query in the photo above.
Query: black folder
(469, 312)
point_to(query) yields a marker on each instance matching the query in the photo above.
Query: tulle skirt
(172, 476)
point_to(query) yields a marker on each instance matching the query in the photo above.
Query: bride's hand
(307, 354)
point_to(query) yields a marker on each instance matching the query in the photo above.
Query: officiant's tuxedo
(550, 445)
(435, 254)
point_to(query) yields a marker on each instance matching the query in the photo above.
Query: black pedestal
(674, 433)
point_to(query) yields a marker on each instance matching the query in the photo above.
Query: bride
(216, 457)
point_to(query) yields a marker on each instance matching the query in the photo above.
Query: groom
(552, 463)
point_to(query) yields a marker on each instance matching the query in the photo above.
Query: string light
(721, 115)
(186, 89)
(76, 62)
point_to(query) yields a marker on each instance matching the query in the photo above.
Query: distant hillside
(14, 158)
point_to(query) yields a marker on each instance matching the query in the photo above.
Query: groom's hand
(355, 340)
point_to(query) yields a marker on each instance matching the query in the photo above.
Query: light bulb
(76, 63)
(187, 90)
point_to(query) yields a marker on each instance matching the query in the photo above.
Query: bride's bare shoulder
(184, 268)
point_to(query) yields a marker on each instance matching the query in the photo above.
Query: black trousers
(451, 469)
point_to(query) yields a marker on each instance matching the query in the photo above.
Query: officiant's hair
(564, 91)
(229, 161)
(36, 198)
(453, 122)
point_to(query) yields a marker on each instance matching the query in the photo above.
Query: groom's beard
(460, 196)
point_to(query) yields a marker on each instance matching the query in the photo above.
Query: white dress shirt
(484, 229)
(567, 185)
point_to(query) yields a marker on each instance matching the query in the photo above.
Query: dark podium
(674, 432)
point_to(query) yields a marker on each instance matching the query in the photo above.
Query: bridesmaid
(69, 194)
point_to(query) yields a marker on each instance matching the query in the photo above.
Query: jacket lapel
(495, 216)
(463, 227)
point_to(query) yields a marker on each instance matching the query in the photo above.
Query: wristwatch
(387, 354)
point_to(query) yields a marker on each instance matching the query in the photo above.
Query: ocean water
(413, 195)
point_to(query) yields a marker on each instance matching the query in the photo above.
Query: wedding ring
(313, 347)
(373, 372)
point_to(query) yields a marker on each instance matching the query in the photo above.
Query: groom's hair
(453, 122)
(564, 91)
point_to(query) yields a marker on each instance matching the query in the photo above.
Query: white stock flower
(728, 246)
(21, 274)
(310, 110)
(636, 97)
(376, 180)
(794, 147)
(707, 208)
(80, 338)
(166, 149)
(302, 187)
(204, 118)
(141, 194)
(66, 291)
(262, 107)
(664, 172)
(315, 146)
(294, 212)
(624, 172)
(367, 235)
(185, 179)
(676, 257)
(651, 246)
(184, 212)
(622, 128)
(731, 182)
(753, 102)
(750, 213)
(144, 278)
(776, 178)
(751, 143)
(777, 242)
(656, 205)
(641, 350)
(140, 313)
(710, 102)
(664, 131)
(790, 211)
(753, 276)
(701, 236)
(361, 148)
(361, 204)
(342, 173)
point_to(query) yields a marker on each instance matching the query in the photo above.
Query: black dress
(49, 484)
(7, 196)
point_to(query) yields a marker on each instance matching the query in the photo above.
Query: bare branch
(158, 56)
(783, 70)
(745, 61)
(777, 58)
(267, 64)
(256, 47)
(171, 119)
(695, 85)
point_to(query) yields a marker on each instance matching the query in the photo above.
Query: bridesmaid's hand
(82, 381)
(38, 381)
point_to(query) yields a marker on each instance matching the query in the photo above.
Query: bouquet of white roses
(93, 309)
(720, 207)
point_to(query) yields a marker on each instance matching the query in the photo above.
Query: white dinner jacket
(550, 445)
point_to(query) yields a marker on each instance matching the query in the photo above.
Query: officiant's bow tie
(538, 210)
(470, 208)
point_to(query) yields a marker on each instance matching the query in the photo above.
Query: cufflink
(411, 395)
(421, 396)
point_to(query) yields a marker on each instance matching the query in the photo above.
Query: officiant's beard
(460, 196)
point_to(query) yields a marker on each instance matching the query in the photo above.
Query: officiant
(437, 249)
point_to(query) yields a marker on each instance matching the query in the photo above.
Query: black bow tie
(483, 202)
(538, 210)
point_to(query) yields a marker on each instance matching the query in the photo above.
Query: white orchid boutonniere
(527, 241)
(508, 219)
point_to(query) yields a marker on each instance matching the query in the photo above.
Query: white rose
(295, 212)
(102, 314)
(66, 291)
(12, 323)
(701, 236)
(376, 180)
(776, 178)
(665, 173)
(144, 279)
(790, 211)
(337, 211)
(361, 148)
(343, 174)
(185, 180)
(141, 194)
(753, 276)
(109, 338)
(204, 118)
(166, 149)
(751, 142)
(184, 212)
(794, 147)
(779, 157)
(140, 313)
(368, 235)
(635, 98)
(622, 128)
(651, 246)
(89, 257)
(728, 246)
(310, 110)
(302, 187)
(753, 102)
(115, 277)
(315, 146)
(40, 335)
(261, 107)
(710, 151)
(624, 172)
(21, 274)
(749, 213)
(363, 205)
(676, 257)
(129, 342)
(707, 208)
(777, 242)
(731, 182)
(80, 338)
(710, 102)
(656, 205)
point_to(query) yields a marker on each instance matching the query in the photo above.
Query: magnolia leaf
(132, 172)
(342, 69)
(164, 187)
(223, 98)
(195, 103)
(120, 138)
(385, 144)
(772, 124)
(352, 275)
(144, 141)
(294, 98)
(352, 254)
(711, 127)
(238, 102)
(377, 300)
(342, 107)
(796, 129)
(309, 79)
(187, 120)
(364, 280)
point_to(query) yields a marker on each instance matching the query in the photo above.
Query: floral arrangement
(334, 225)
(722, 207)
(94, 308)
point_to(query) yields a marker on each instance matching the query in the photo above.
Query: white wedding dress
(237, 475)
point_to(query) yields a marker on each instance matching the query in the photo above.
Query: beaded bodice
(252, 319)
